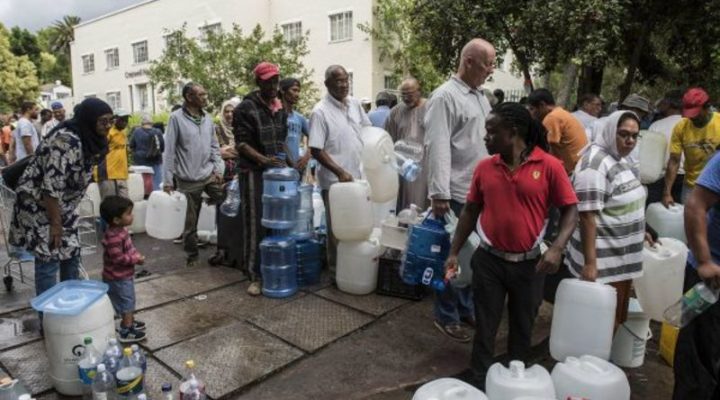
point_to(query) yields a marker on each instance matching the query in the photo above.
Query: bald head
(410, 92)
(477, 62)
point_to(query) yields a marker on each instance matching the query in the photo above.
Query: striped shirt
(119, 256)
(609, 187)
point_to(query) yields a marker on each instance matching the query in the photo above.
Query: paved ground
(318, 344)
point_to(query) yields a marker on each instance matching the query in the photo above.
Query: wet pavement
(318, 344)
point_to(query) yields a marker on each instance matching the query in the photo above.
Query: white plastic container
(73, 310)
(590, 378)
(357, 266)
(165, 215)
(351, 210)
(207, 221)
(93, 194)
(208, 236)
(139, 216)
(510, 383)
(583, 320)
(663, 274)
(378, 147)
(628, 349)
(136, 187)
(384, 183)
(667, 222)
(448, 389)
(382, 210)
(318, 209)
(652, 148)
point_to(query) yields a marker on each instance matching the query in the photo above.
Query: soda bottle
(189, 379)
(115, 348)
(87, 367)
(139, 357)
(111, 362)
(103, 386)
(129, 376)
(194, 392)
(692, 304)
(167, 393)
(231, 205)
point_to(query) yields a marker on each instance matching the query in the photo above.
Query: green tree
(60, 69)
(64, 34)
(17, 73)
(223, 63)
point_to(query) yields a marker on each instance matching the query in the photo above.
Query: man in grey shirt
(335, 142)
(192, 161)
(454, 138)
(25, 135)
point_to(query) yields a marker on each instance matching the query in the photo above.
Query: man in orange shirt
(565, 133)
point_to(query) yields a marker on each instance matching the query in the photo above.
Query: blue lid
(69, 297)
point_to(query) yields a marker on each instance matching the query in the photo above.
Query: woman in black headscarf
(50, 189)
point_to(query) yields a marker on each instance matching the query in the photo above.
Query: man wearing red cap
(696, 137)
(260, 128)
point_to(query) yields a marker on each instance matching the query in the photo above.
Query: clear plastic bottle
(103, 386)
(129, 376)
(190, 378)
(139, 357)
(142, 396)
(231, 205)
(408, 168)
(114, 347)
(167, 393)
(194, 392)
(87, 367)
(693, 303)
(111, 362)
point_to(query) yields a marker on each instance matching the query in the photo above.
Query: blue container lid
(69, 297)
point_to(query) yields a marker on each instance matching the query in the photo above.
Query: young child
(119, 259)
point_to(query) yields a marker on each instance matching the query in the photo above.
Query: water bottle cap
(127, 351)
(134, 348)
(101, 367)
(166, 387)
(112, 341)
(88, 340)
(190, 364)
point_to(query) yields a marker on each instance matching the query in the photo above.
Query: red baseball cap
(266, 70)
(693, 102)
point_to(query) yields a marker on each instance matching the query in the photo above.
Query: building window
(211, 29)
(172, 38)
(350, 82)
(142, 92)
(112, 57)
(292, 31)
(113, 100)
(140, 52)
(90, 96)
(391, 82)
(341, 26)
(88, 63)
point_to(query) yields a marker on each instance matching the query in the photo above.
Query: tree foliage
(223, 63)
(64, 34)
(17, 73)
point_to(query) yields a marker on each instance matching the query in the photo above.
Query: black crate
(390, 284)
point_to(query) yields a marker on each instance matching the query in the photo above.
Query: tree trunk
(569, 78)
(626, 86)
(590, 80)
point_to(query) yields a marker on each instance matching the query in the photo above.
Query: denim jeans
(157, 176)
(454, 303)
(46, 272)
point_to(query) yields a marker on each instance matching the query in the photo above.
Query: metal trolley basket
(17, 257)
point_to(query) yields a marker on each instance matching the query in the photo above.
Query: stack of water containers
(278, 262)
(307, 247)
(428, 246)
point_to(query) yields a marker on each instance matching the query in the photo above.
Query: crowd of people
(547, 190)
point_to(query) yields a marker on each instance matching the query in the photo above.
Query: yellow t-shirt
(115, 164)
(697, 144)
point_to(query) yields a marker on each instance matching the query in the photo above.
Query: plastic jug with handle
(165, 217)
(377, 147)
(663, 274)
(357, 266)
(591, 378)
(510, 383)
(351, 211)
(667, 222)
(427, 249)
(652, 147)
(448, 389)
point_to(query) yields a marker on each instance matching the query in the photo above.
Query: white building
(111, 54)
(51, 92)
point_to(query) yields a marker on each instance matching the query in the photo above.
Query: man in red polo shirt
(511, 193)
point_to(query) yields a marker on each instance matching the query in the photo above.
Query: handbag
(11, 175)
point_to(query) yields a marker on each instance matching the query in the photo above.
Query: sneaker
(202, 243)
(455, 331)
(255, 289)
(138, 325)
(178, 240)
(192, 263)
(130, 335)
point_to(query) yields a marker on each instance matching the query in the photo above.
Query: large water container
(147, 174)
(448, 389)
(139, 216)
(351, 210)
(378, 148)
(309, 261)
(318, 208)
(427, 249)
(652, 147)
(280, 198)
(381, 211)
(357, 266)
(207, 220)
(306, 196)
(590, 377)
(663, 274)
(509, 383)
(73, 310)
(667, 222)
(165, 215)
(136, 187)
(303, 228)
(93, 194)
(278, 264)
(384, 183)
(583, 319)
(630, 341)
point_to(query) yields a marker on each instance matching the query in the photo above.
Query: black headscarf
(532, 131)
(83, 124)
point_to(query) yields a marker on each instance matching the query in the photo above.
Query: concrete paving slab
(181, 320)
(325, 281)
(18, 328)
(236, 302)
(400, 349)
(155, 376)
(28, 363)
(230, 357)
(189, 282)
(311, 322)
(152, 293)
(18, 298)
(371, 303)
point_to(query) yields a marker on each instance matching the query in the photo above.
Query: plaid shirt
(259, 127)
(120, 256)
